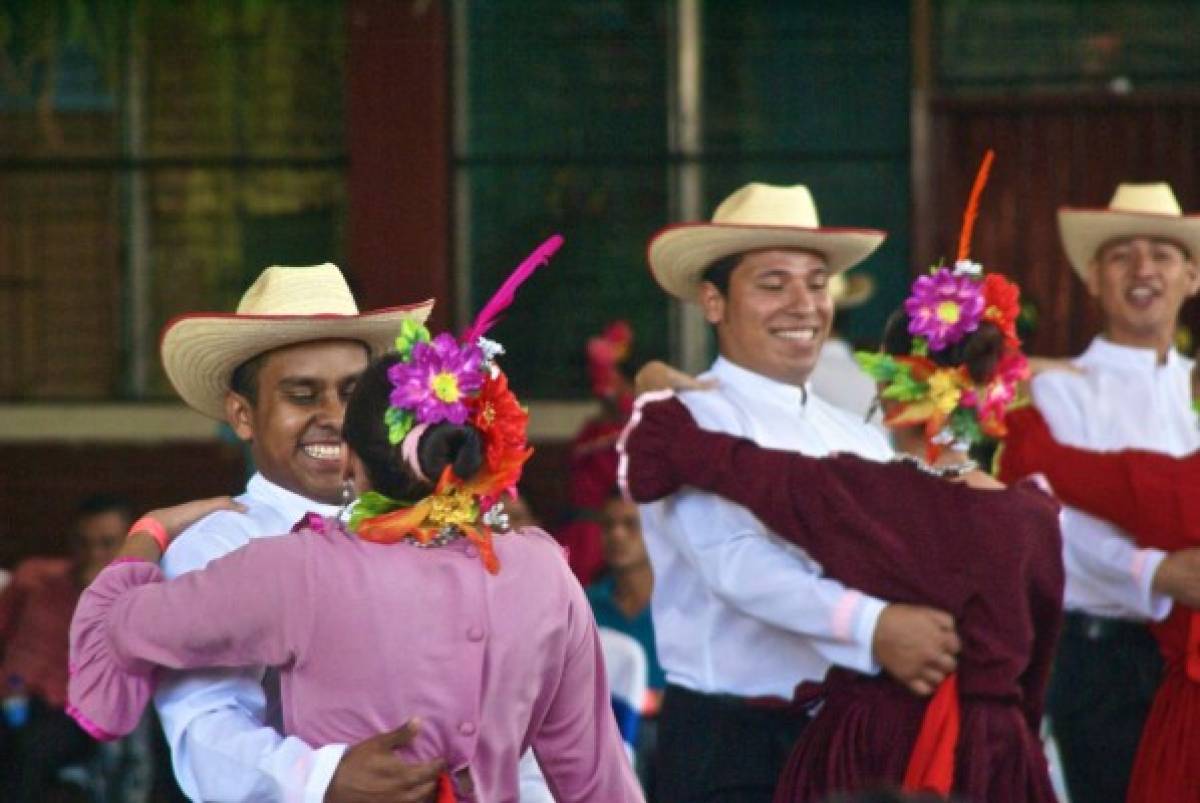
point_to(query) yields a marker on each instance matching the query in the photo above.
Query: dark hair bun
(454, 445)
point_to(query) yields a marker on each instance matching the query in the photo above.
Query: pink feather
(489, 315)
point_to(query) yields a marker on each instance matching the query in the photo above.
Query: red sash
(445, 789)
(931, 765)
(1192, 661)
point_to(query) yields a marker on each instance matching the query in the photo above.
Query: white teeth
(799, 334)
(1141, 292)
(323, 451)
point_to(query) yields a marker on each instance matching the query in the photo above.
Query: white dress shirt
(736, 609)
(1124, 400)
(214, 719)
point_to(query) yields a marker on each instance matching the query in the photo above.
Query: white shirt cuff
(325, 762)
(865, 620)
(1145, 566)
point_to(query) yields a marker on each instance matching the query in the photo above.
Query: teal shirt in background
(640, 627)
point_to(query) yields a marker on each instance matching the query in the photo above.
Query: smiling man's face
(1141, 284)
(776, 315)
(294, 424)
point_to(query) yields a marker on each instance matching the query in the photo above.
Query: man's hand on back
(916, 646)
(371, 772)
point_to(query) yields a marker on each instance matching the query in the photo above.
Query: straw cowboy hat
(1136, 210)
(283, 307)
(850, 290)
(755, 217)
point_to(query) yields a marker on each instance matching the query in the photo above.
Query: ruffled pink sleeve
(251, 607)
(108, 692)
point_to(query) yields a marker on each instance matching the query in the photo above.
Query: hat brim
(679, 254)
(200, 351)
(1084, 231)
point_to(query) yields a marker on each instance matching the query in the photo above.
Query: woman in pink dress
(414, 612)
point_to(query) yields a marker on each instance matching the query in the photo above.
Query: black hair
(365, 431)
(979, 351)
(96, 504)
(244, 380)
(719, 272)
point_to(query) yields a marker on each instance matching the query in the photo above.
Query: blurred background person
(37, 738)
(620, 601)
(592, 460)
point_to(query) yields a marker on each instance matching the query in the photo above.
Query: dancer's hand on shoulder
(916, 645)
(371, 772)
(657, 375)
(177, 518)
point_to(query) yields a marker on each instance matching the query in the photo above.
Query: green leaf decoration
(965, 425)
(877, 365)
(897, 376)
(906, 389)
(372, 504)
(399, 423)
(920, 347)
(411, 333)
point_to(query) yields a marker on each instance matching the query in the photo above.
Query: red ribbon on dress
(445, 789)
(931, 765)
(1192, 661)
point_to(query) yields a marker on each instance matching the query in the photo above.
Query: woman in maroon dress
(990, 557)
(1153, 498)
(938, 533)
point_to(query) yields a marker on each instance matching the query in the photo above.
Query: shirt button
(471, 552)
(466, 728)
(475, 634)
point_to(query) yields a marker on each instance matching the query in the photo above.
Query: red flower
(1002, 304)
(496, 413)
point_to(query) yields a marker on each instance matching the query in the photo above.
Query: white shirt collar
(288, 504)
(759, 386)
(1105, 351)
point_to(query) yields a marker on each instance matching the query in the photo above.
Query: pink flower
(943, 308)
(999, 393)
(437, 380)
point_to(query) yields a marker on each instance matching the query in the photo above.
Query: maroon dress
(990, 558)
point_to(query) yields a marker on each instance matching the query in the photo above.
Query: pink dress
(367, 636)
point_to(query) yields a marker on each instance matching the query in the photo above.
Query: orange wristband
(153, 528)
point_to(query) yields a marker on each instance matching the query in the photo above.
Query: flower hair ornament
(945, 306)
(606, 352)
(443, 379)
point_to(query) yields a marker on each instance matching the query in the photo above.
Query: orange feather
(972, 210)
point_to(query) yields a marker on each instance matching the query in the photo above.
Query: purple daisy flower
(437, 380)
(943, 308)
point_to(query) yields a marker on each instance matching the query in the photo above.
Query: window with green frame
(154, 157)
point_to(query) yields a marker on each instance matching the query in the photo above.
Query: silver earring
(347, 495)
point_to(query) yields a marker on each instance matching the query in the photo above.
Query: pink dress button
(466, 728)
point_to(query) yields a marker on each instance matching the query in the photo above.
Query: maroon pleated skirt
(864, 733)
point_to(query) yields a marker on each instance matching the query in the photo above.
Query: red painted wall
(398, 146)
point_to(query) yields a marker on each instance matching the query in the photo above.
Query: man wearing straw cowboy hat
(741, 617)
(279, 370)
(1137, 258)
